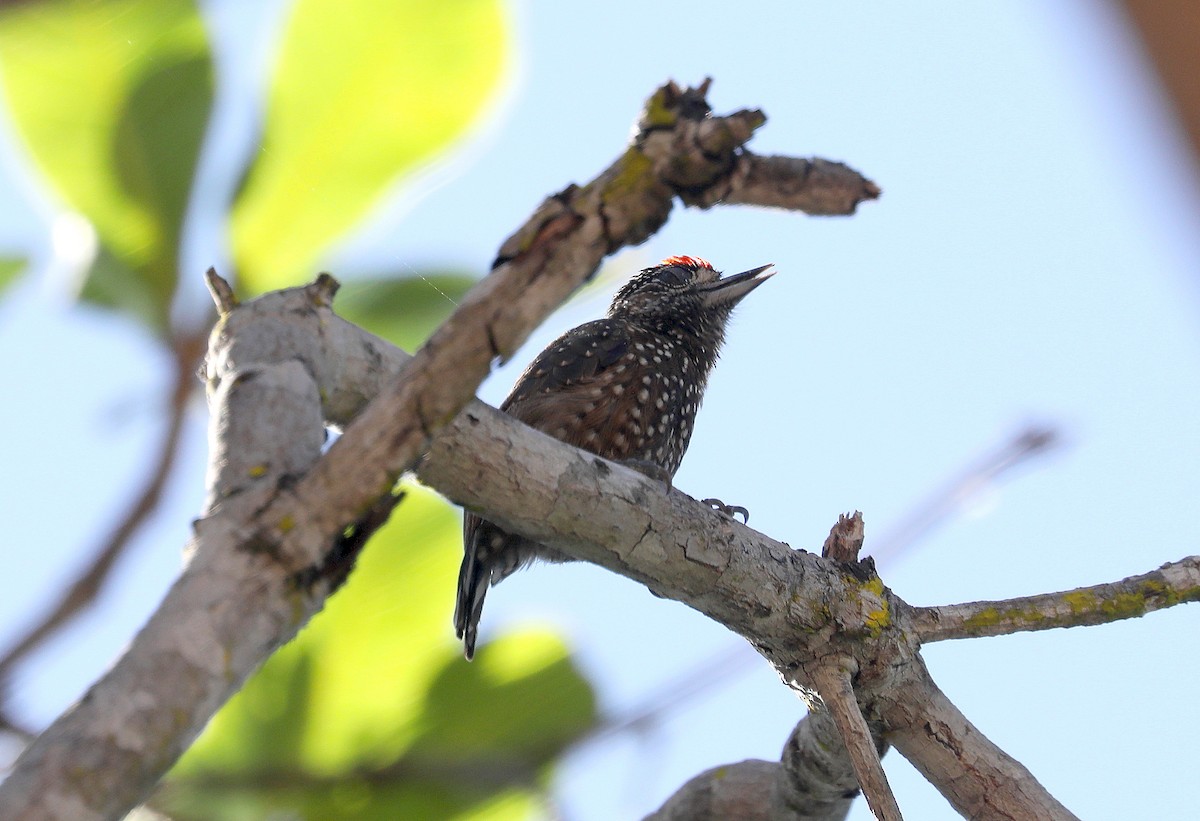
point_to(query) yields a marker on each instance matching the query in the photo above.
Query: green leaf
(357, 100)
(403, 311)
(10, 269)
(112, 100)
(533, 704)
(110, 283)
(371, 713)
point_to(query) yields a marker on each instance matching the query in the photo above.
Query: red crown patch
(687, 262)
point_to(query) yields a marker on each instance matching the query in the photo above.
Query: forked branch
(278, 507)
(1173, 583)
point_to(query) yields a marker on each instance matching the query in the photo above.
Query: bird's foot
(728, 511)
(650, 469)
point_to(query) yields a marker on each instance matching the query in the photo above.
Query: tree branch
(813, 781)
(814, 186)
(978, 778)
(1173, 583)
(277, 507)
(791, 605)
(832, 678)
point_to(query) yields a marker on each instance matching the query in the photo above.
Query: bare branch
(813, 781)
(978, 778)
(832, 678)
(1173, 583)
(792, 606)
(845, 538)
(814, 186)
(277, 507)
(746, 791)
(818, 778)
(222, 292)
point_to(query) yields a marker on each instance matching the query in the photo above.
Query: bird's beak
(728, 291)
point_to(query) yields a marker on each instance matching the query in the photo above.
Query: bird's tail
(474, 576)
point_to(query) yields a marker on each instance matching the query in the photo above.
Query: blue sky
(1032, 259)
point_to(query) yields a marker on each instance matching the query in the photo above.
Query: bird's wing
(575, 357)
(565, 391)
(562, 393)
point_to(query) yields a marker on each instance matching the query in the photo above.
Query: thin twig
(222, 292)
(833, 683)
(1033, 441)
(1171, 584)
(84, 589)
(719, 667)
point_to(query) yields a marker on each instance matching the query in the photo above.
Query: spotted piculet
(626, 387)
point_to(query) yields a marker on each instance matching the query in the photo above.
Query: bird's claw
(728, 511)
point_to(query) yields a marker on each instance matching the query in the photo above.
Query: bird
(626, 387)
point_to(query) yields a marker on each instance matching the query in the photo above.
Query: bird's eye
(673, 275)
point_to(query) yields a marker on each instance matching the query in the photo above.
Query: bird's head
(685, 294)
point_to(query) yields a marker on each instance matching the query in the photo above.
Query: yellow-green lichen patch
(988, 617)
(1080, 601)
(658, 114)
(258, 470)
(879, 618)
(286, 524)
(635, 173)
(1124, 606)
(984, 620)
(1165, 596)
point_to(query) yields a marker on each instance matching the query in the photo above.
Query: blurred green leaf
(112, 100)
(356, 101)
(403, 311)
(110, 283)
(534, 703)
(10, 269)
(371, 713)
